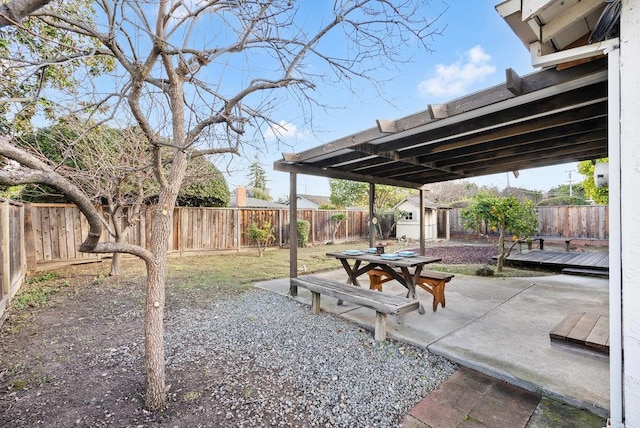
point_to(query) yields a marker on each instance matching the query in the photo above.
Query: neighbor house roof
(256, 203)
(316, 199)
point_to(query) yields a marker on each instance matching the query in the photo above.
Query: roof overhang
(544, 118)
(557, 32)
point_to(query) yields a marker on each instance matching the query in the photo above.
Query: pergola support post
(422, 223)
(372, 225)
(293, 231)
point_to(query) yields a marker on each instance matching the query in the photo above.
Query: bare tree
(452, 191)
(203, 77)
(113, 167)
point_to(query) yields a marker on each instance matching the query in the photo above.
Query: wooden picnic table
(408, 275)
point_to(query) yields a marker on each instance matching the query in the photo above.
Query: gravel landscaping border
(277, 364)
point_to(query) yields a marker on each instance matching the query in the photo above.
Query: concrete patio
(500, 327)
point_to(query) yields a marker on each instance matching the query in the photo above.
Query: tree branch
(13, 12)
(37, 171)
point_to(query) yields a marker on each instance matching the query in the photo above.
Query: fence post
(346, 226)
(6, 249)
(237, 234)
(29, 239)
(313, 227)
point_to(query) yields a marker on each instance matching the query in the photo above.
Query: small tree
(303, 227)
(503, 215)
(600, 195)
(261, 236)
(337, 220)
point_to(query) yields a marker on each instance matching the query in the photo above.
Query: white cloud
(455, 79)
(283, 130)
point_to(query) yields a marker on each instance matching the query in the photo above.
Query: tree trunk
(116, 262)
(156, 399)
(501, 256)
(335, 231)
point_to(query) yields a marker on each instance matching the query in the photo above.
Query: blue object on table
(353, 252)
(406, 253)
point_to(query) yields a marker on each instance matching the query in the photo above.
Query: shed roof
(415, 200)
(544, 118)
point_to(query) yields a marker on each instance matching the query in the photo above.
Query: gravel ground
(295, 369)
(249, 359)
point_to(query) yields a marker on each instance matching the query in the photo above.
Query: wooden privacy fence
(575, 221)
(56, 230)
(12, 251)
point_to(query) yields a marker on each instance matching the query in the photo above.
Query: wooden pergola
(545, 118)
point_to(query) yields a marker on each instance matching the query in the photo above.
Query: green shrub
(303, 232)
(563, 200)
(261, 235)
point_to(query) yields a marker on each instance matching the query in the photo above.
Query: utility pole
(570, 182)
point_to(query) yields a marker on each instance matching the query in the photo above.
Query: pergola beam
(344, 175)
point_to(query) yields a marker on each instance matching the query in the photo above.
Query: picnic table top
(377, 258)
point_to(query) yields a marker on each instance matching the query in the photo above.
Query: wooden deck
(583, 329)
(557, 260)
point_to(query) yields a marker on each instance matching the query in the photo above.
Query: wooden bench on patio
(541, 239)
(430, 281)
(383, 304)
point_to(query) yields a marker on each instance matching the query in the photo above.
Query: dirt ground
(78, 359)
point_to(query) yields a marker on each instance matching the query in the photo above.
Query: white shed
(409, 221)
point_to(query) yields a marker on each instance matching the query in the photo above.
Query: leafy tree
(257, 176)
(302, 229)
(261, 236)
(346, 193)
(505, 215)
(259, 194)
(258, 181)
(207, 187)
(522, 194)
(170, 73)
(35, 70)
(388, 197)
(575, 190)
(563, 200)
(600, 195)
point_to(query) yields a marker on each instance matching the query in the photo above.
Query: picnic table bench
(430, 281)
(383, 304)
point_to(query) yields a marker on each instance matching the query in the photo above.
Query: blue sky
(472, 54)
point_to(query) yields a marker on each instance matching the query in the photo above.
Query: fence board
(13, 261)
(584, 221)
(59, 229)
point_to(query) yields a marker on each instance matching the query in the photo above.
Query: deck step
(586, 272)
(583, 329)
